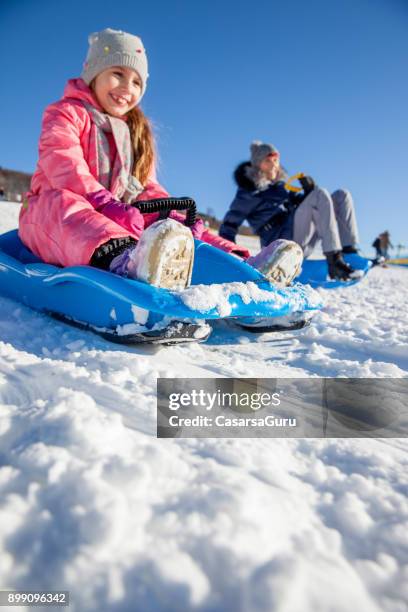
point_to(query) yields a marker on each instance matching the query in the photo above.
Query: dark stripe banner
(282, 408)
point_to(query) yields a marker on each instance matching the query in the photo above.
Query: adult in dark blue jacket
(273, 212)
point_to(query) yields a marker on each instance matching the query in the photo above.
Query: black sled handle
(167, 204)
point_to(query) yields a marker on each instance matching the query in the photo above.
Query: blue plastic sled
(314, 272)
(126, 310)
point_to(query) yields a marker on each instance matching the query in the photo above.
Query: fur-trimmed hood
(241, 178)
(250, 178)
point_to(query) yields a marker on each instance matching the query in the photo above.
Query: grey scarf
(117, 177)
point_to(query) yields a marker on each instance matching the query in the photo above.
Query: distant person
(2, 196)
(97, 159)
(274, 212)
(382, 244)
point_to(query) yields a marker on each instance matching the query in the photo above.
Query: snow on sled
(315, 273)
(129, 311)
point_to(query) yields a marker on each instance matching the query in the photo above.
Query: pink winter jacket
(57, 222)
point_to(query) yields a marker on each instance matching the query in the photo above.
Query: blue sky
(324, 81)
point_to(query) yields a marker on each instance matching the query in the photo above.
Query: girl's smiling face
(270, 166)
(118, 90)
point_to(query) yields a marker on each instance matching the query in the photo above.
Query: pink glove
(126, 216)
(224, 244)
(197, 229)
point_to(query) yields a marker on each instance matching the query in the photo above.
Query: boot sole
(284, 260)
(171, 259)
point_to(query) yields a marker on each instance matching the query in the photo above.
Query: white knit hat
(115, 48)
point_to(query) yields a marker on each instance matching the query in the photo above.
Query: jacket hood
(241, 178)
(77, 88)
(251, 178)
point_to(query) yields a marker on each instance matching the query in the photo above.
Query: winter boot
(163, 257)
(280, 261)
(379, 260)
(339, 269)
(349, 249)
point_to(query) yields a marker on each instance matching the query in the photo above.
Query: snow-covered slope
(92, 502)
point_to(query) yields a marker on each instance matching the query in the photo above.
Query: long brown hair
(141, 136)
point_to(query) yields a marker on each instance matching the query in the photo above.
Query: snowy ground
(92, 502)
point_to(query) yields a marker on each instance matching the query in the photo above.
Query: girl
(274, 212)
(96, 158)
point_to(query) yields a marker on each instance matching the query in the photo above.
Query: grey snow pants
(325, 217)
